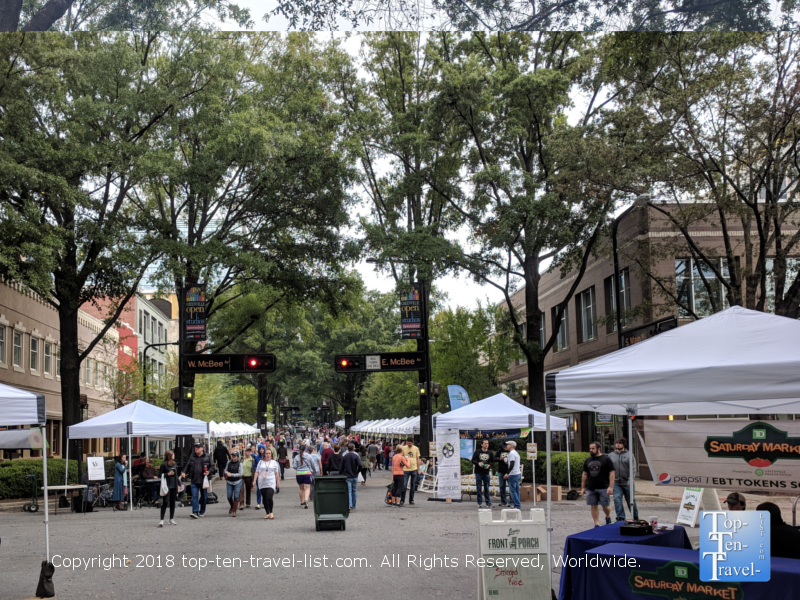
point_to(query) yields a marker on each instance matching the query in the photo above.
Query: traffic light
(188, 393)
(349, 363)
(264, 363)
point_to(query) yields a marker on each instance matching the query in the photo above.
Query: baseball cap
(198, 444)
(734, 498)
(234, 453)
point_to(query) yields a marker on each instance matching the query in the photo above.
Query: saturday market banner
(745, 455)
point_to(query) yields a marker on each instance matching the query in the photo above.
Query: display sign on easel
(694, 501)
(95, 468)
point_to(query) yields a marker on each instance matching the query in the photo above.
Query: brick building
(588, 331)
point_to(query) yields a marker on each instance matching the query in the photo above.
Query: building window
(695, 293)
(792, 267)
(96, 374)
(541, 330)
(56, 439)
(153, 330)
(141, 323)
(48, 357)
(17, 349)
(2, 344)
(108, 445)
(34, 354)
(586, 312)
(611, 298)
(562, 337)
(87, 376)
(105, 377)
(160, 332)
(58, 361)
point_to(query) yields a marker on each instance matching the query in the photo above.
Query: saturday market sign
(744, 455)
(679, 580)
(492, 434)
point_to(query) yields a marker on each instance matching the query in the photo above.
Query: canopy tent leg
(46, 504)
(130, 477)
(549, 503)
(569, 476)
(632, 465)
(66, 468)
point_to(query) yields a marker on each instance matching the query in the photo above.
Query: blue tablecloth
(577, 545)
(655, 573)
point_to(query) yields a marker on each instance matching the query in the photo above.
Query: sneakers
(401, 503)
(608, 520)
(487, 506)
(195, 515)
(202, 514)
(173, 522)
(503, 505)
(411, 502)
(480, 506)
(258, 506)
(161, 523)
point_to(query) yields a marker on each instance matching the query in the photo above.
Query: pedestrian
(198, 468)
(304, 468)
(362, 454)
(327, 452)
(171, 470)
(624, 468)
(502, 471)
(315, 456)
(410, 473)
(373, 451)
(597, 482)
(735, 500)
(268, 481)
(482, 460)
(221, 457)
(247, 479)
(233, 476)
(350, 467)
(387, 456)
(283, 454)
(120, 489)
(258, 457)
(335, 459)
(514, 474)
(399, 462)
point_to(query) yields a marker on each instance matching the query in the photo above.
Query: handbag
(206, 485)
(164, 486)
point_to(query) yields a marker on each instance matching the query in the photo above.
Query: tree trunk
(9, 15)
(48, 15)
(70, 378)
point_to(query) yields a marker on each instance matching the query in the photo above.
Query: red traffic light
(260, 362)
(348, 364)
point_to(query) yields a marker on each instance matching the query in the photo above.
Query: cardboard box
(526, 492)
(541, 493)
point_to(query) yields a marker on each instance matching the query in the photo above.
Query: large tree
(721, 115)
(78, 115)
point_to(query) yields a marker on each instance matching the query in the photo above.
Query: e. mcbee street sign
(387, 361)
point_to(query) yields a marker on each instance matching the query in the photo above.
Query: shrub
(558, 467)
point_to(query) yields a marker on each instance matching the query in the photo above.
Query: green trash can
(331, 502)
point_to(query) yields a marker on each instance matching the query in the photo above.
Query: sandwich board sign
(95, 468)
(513, 556)
(693, 502)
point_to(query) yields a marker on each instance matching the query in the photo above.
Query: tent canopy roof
(497, 412)
(737, 361)
(21, 407)
(137, 419)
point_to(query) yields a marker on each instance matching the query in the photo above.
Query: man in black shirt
(502, 469)
(784, 539)
(598, 482)
(483, 459)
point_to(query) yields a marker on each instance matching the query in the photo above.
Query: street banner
(492, 434)
(194, 313)
(95, 468)
(411, 313)
(449, 457)
(712, 453)
(458, 396)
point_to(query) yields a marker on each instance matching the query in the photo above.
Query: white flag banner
(448, 449)
(725, 453)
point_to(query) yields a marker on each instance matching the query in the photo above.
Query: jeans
(169, 499)
(352, 490)
(503, 486)
(483, 480)
(513, 490)
(620, 492)
(248, 486)
(258, 496)
(412, 476)
(233, 490)
(198, 499)
(283, 468)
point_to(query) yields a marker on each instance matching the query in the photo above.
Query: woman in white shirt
(267, 478)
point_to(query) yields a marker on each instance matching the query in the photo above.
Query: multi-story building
(649, 291)
(30, 359)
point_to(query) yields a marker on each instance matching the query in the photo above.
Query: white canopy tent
(339, 423)
(737, 361)
(497, 412)
(20, 407)
(137, 419)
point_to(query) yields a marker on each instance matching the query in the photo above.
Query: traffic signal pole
(425, 420)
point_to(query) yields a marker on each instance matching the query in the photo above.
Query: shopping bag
(206, 485)
(164, 486)
(360, 478)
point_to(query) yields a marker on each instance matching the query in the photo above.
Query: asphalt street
(352, 564)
